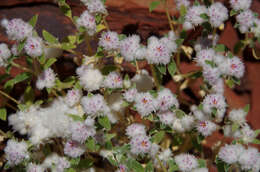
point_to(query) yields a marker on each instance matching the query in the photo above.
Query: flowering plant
(107, 117)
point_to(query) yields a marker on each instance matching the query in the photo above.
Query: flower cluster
(125, 103)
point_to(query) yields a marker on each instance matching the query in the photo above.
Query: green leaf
(3, 77)
(67, 83)
(91, 145)
(49, 37)
(85, 164)
(172, 166)
(162, 69)
(196, 75)
(214, 111)
(172, 68)
(107, 69)
(19, 78)
(134, 165)
(33, 20)
(67, 46)
(108, 137)
(112, 161)
(238, 46)
(70, 170)
(153, 5)
(256, 141)
(49, 62)
(221, 166)
(235, 127)
(72, 39)
(104, 122)
(230, 83)
(211, 63)
(179, 41)
(220, 48)
(180, 113)
(233, 12)
(247, 108)
(65, 8)
(21, 46)
(3, 114)
(74, 161)
(29, 95)
(157, 138)
(183, 10)
(149, 167)
(202, 163)
(204, 16)
(257, 132)
(76, 117)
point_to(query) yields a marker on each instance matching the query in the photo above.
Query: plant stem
(105, 23)
(137, 67)
(168, 15)
(161, 164)
(87, 38)
(157, 84)
(22, 67)
(9, 97)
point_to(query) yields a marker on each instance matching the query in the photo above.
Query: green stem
(22, 67)
(105, 23)
(90, 52)
(168, 15)
(9, 97)
(161, 164)
(157, 84)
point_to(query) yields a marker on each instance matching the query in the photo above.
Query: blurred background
(133, 17)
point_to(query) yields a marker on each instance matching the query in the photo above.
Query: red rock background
(132, 16)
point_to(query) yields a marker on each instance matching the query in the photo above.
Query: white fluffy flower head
(167, 118)
(166, 100)
(145, 103)
(91, 79)
(135, 129)
(95, 6)
(87, 21)
(240, 4)
(73, 97)
(205, 55)
(80, 132)
(109, 40)
(4, 54)
(129, 48)
(237, 115)
(129, 95)
(34, 46)
(186, 162)
(214, 101)
(46, 79)
(230, 153)
(249, 158)
(113, 80)
(245, 20)
(73, 149)
(17, 29)
(157, 52)
(16, 152)
(34, 168)
(193, 16)
(140, 144)
(217, 13)
(234, 67)
(206, 128)
(93, 105)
